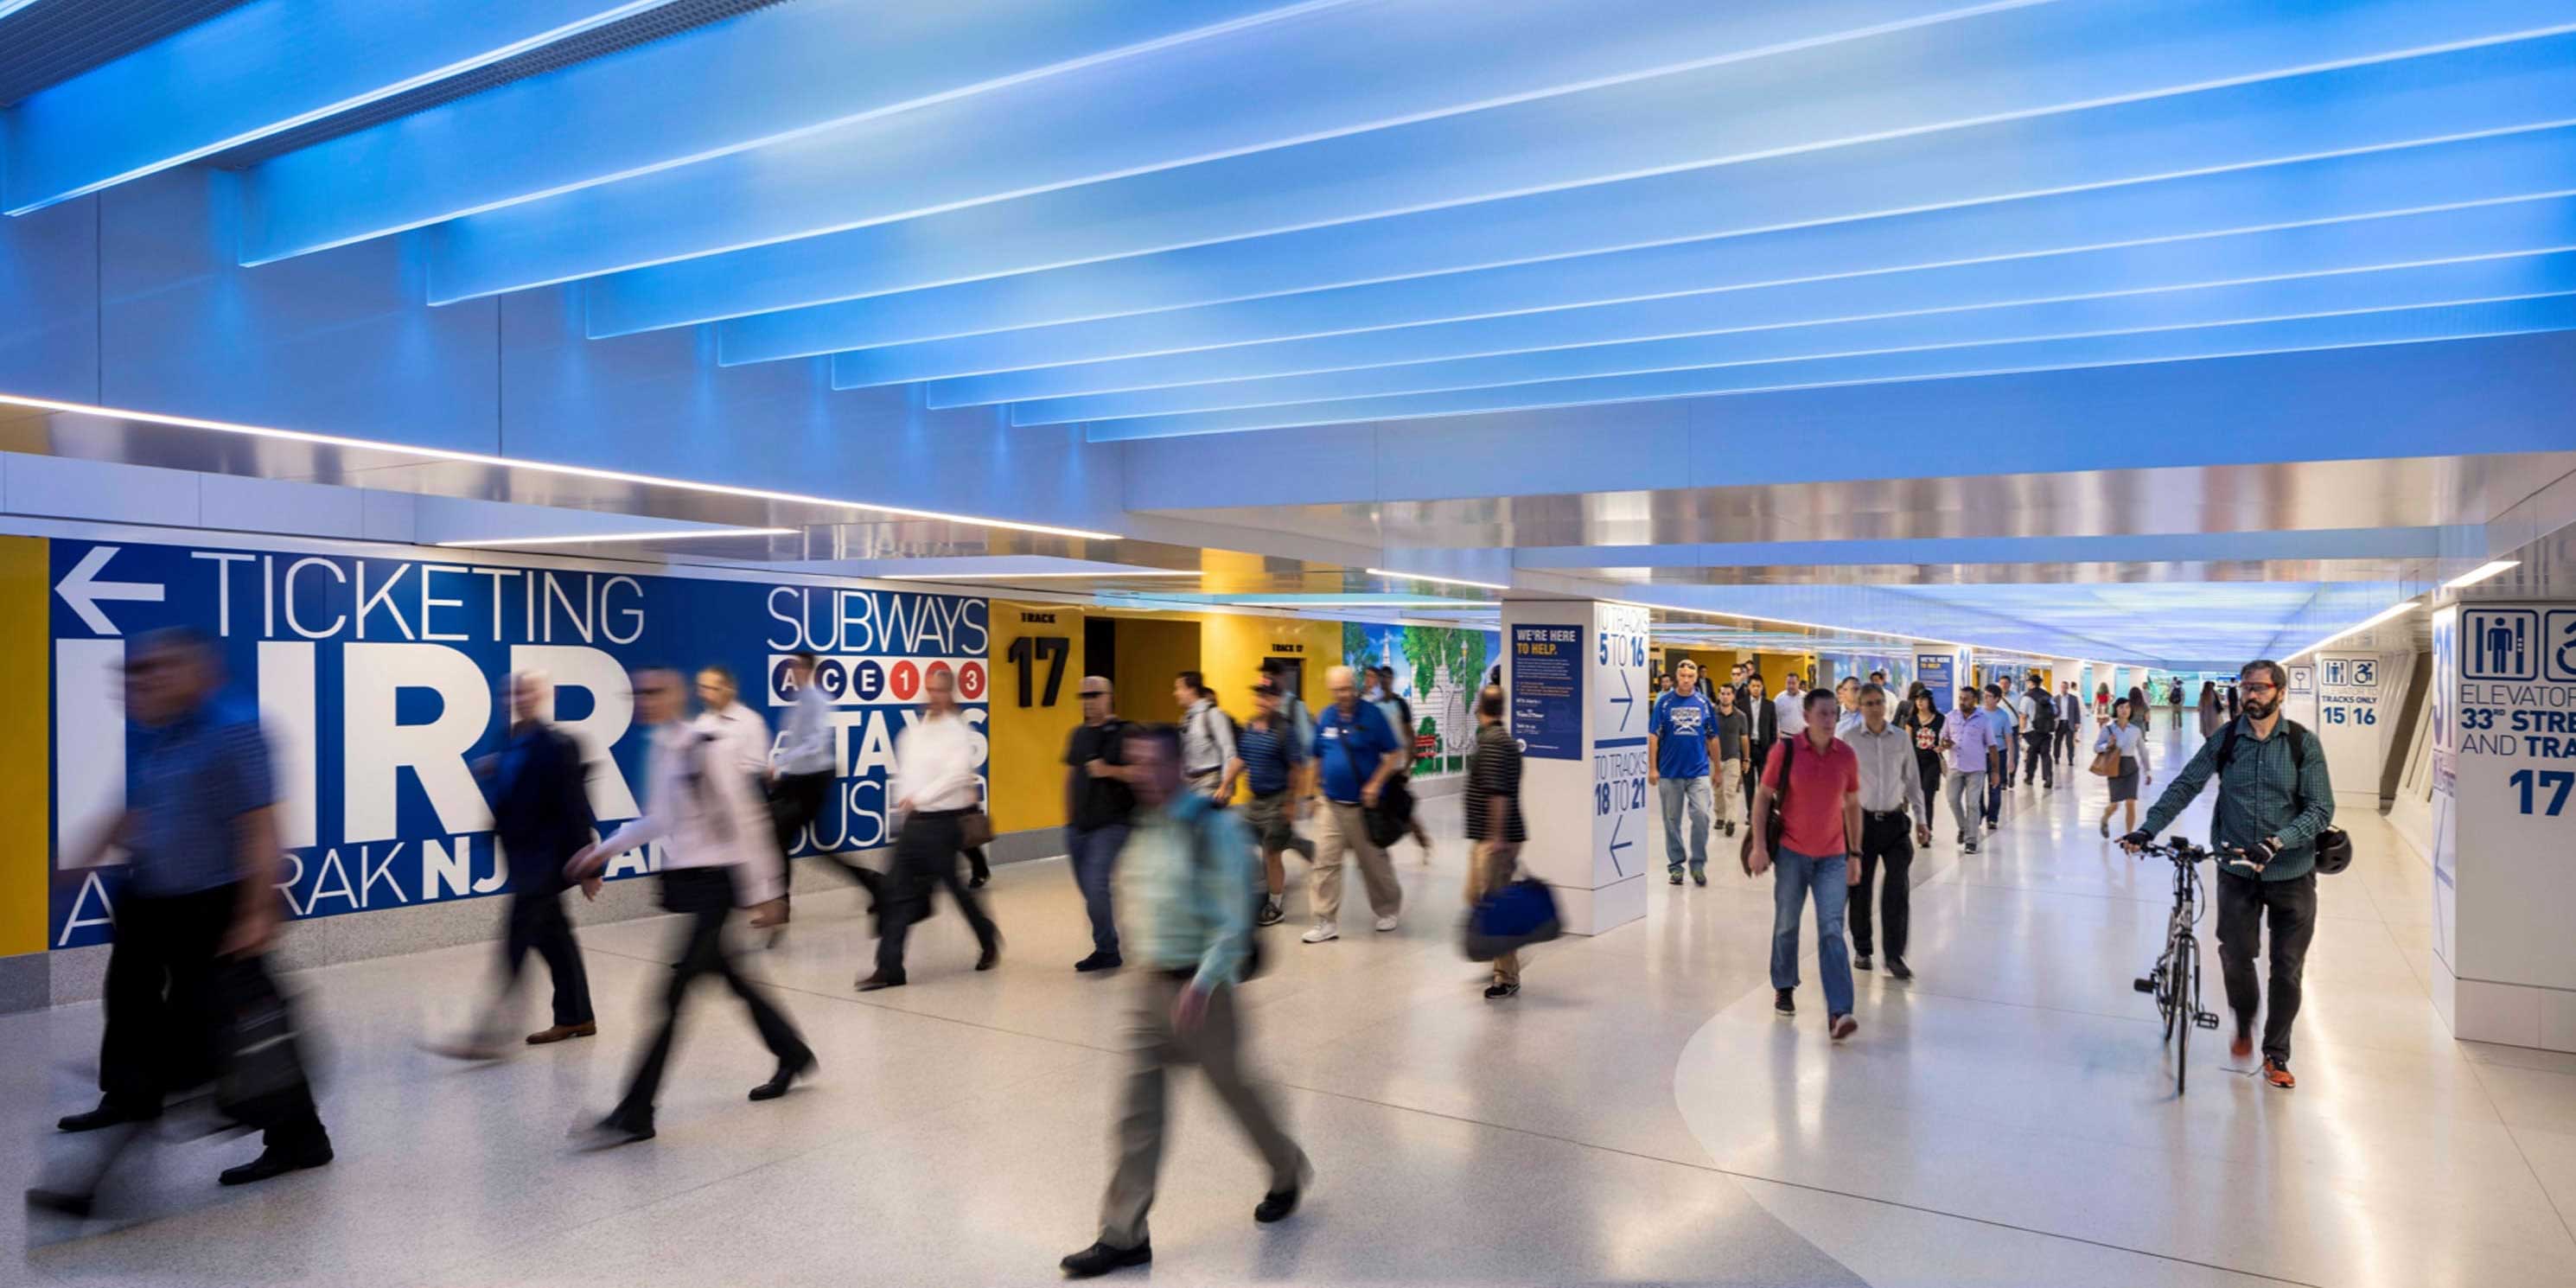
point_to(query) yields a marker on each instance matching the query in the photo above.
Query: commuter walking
(802, 784)
(718, 850)
(742, 737)
(2173, 698)
(1791, 704)
(541, 816)
(1846, 705)
(198, 911)
(2274, 799)
(1494, 824)
(1097, 801)
(2122, 734)
(934, 787)
(1761, 733)
(1355, 755)
(2209, 713)
(1733, 745)
(1969, 738)
(1190, 864)
(1813, 780)
(1399, 789)
(1207, 738)
(1677, 763)
(2039, 736)
(1273, 766)
(1282, 674)
(1927, 726)
(2070, 722)
(1895, 816)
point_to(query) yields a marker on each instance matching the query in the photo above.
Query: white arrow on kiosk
(82, 589)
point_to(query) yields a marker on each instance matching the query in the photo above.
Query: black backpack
(2043, 715)
(2334, 845)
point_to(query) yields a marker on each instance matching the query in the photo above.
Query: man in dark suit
(541, 815)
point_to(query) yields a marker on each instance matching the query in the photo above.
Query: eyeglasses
(2256, 688)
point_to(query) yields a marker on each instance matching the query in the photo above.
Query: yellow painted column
(1033, 703)
(26, 791)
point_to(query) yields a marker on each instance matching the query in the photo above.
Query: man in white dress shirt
(935, 786)
(718, 851)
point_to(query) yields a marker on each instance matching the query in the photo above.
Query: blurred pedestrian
(1494, 824)
(935, 786)
(718, 850)
(541, 816)
(1399, 789)
(802, 783)
(1190, 865)
(198, 911)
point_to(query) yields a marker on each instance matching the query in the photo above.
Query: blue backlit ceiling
(1149, 221)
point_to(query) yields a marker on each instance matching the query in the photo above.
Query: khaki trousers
(1729, 782)
(1488, 868)
(1339, 827)
(1214, 1046)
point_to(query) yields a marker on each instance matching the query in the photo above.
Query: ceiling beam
(2482, 253)
(263, 68)
(762, 77)
(2477, 124)
(1329, 78)
(2247, 339)
(2372, 185)
(2063, 58)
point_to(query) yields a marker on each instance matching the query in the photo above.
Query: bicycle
(2175, 981)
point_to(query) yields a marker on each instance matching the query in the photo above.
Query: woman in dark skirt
(2131, 741)
(1924, 719)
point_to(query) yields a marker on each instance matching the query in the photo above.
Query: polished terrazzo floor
(1638, 1115)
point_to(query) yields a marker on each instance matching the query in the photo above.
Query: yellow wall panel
(25, 791)
(1232, 648)
(1151, 650)
(1028, 740)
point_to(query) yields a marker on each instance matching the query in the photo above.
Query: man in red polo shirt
(1819, 838)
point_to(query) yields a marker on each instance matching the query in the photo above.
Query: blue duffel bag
(1511, 918)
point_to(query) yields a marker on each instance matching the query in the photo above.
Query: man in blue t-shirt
(1677, 762)
(1355, 753)
(1271, 761)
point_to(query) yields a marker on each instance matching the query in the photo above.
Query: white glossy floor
(1637, 1116)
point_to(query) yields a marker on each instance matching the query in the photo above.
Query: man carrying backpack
(2274, 801)
(2039, 731)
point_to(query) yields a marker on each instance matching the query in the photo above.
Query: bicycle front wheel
(2186, 1009)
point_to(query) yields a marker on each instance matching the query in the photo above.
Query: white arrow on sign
(82, 589)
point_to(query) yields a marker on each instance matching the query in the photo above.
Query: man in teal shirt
(1188, 869)
(2274, 798)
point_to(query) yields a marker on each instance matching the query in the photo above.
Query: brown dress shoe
(561, 1031)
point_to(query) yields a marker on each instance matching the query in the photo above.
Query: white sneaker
(1386, 923)
(1324, 930)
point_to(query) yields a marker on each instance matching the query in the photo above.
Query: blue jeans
(1679, 796)
(1793, 875)
(1094, 855)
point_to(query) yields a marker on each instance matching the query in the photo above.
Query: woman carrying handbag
(2120, 754)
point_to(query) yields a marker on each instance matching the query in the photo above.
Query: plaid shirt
(2258, 795)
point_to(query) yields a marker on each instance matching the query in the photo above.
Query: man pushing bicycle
(2274, 801)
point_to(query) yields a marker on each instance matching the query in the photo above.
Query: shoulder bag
(1772, 826)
